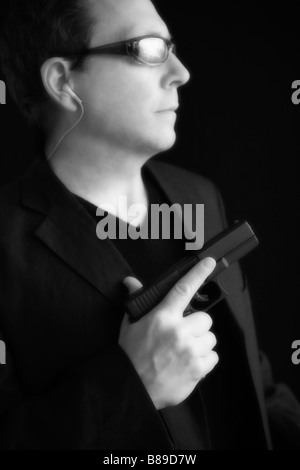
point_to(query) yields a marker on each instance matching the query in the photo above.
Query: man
(101, 80)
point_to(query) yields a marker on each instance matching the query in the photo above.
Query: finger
(203, 345)
(198, 323)
(205, 365)
(180, 295)
(132, 284)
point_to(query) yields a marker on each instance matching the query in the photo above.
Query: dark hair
(34, 31)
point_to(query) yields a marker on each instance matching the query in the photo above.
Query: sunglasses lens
(152, 50)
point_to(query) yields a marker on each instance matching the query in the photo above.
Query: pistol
(226, 248)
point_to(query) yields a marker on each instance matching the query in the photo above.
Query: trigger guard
(221, 287)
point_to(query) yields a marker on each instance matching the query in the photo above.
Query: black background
(237, 126)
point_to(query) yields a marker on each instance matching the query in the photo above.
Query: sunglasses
(147, 50)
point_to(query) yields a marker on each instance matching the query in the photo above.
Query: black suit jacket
(67, 384)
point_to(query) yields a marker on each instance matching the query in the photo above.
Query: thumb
(132, 284)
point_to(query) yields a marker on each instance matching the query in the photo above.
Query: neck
(102, 176)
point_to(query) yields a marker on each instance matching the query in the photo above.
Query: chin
(157, 142)
(165, 142)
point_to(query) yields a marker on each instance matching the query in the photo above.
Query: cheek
(128, 91)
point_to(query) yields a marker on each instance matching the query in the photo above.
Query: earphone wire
(67, 132)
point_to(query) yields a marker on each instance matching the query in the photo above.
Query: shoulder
(10, 201)
(13, 213)
(187, 187)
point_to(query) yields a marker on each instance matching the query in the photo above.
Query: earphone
(72, 93)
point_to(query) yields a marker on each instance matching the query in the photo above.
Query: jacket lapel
(69, 231)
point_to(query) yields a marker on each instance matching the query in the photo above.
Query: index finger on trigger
(184, 289)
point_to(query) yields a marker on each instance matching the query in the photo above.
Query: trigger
(201, 297)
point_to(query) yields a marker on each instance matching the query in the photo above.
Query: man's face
(125, 102)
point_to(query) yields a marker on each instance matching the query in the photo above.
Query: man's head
(125, 102)
(35, 30)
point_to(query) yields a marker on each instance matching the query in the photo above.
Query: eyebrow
(167, 36)
(155, 33)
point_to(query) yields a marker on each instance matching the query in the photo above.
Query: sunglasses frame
(128, 48)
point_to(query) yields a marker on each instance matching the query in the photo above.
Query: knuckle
(164, 317)
(183, 289)
(208, 320)
(162, 320)
(197, 369)
(210, 362)
(212, 339)
(215, 358)
(203, 366)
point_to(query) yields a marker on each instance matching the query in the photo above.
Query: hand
(171, 353)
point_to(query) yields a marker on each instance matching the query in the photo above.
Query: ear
(55, 74)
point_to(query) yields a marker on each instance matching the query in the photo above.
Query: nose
(177, 74)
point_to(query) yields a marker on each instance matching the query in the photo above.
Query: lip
(172, 108)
